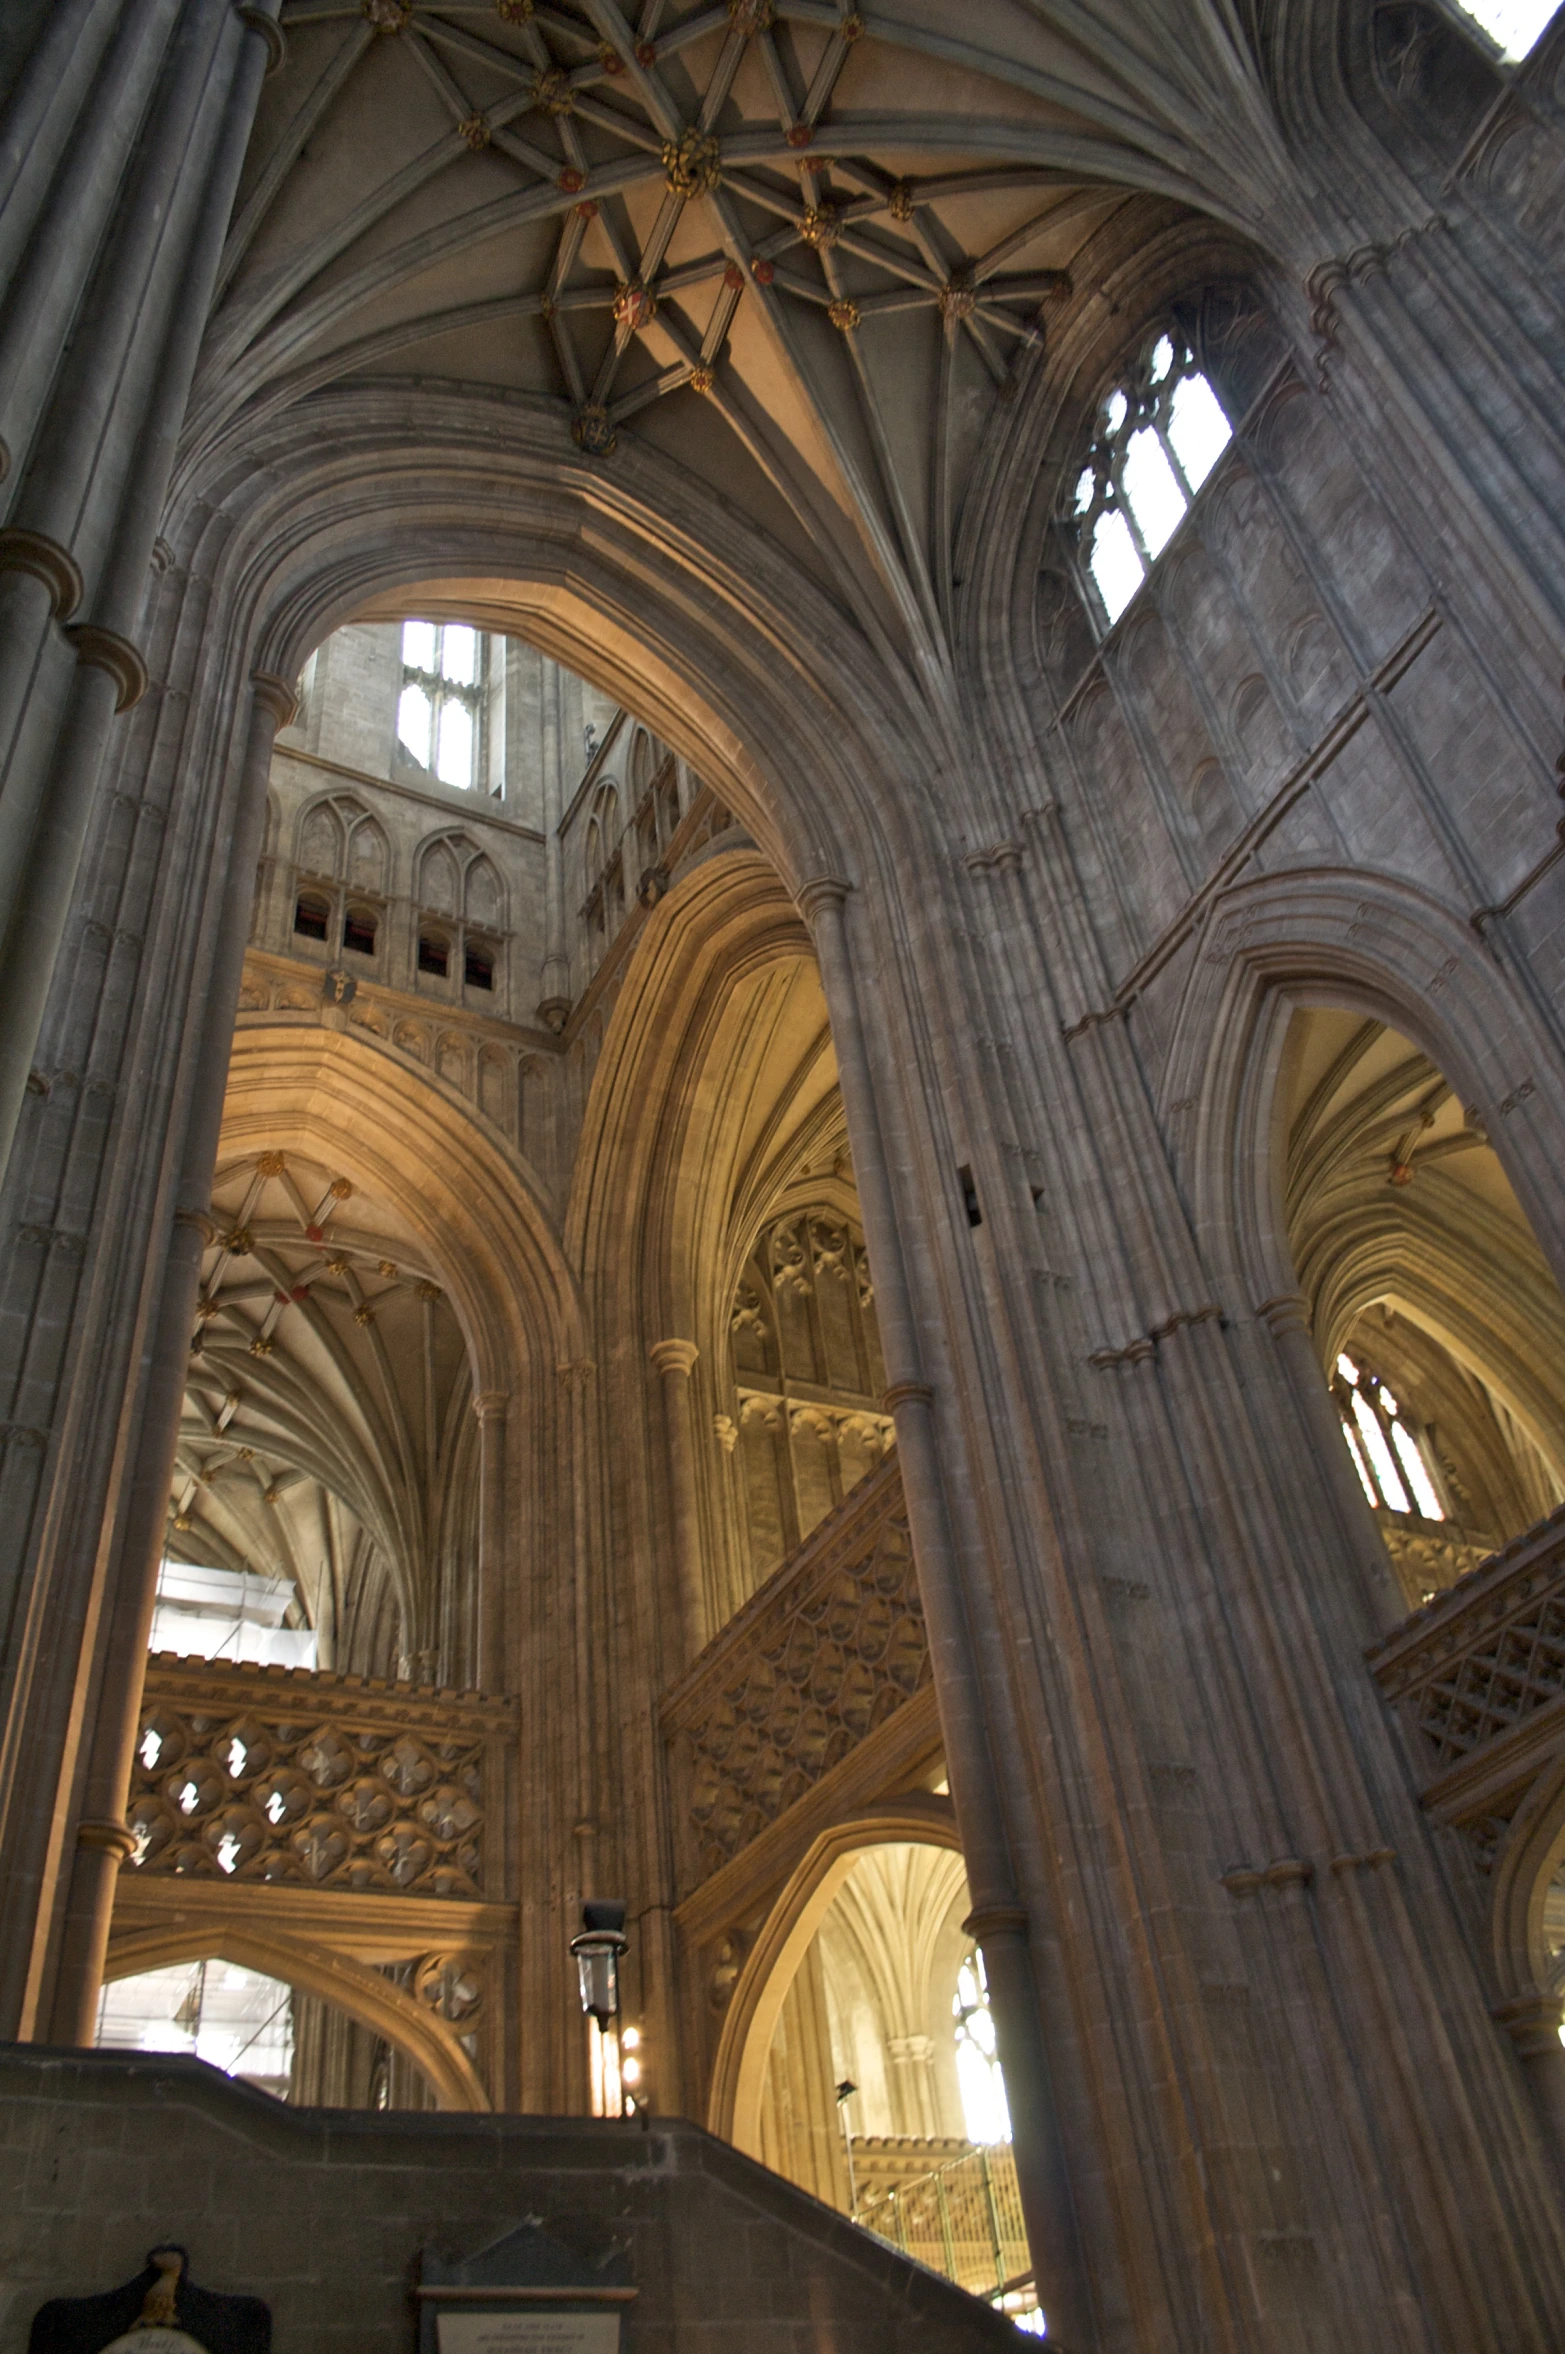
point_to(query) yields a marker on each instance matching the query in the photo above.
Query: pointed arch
(1366, 943)
(438, 885)
(321, 842)
(350, 1986)
(750, 2021)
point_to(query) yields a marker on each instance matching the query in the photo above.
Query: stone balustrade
(826, 1652)
(272, 1774)
(1478, 1673)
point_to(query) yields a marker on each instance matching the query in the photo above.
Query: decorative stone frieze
(829, 1648)
(250, 1773)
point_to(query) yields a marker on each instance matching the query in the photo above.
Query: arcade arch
(436, 2067)
(1420, 1272)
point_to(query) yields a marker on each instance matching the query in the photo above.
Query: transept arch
(750, 2020)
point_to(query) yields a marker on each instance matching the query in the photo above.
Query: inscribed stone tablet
(529, 2333)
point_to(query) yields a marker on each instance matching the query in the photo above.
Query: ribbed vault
(802, 248)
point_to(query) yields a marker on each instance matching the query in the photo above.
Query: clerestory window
(1390, 1457)
(1159, 434)
(441, 705)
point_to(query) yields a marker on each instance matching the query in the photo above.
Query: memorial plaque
(160, 2312)
(529, 2333)
(526, 2293)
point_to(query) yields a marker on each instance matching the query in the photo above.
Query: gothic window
(984, 2109)
(478, 966)
(367, 856)
(311, 916)
(1159, 434)
(442, 699)
(1515, 26)
(434, 953)
(437, 888)
(1392, 1459)
(320, 842)
(483, 893)
(358, 930)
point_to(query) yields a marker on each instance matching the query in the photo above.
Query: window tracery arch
(1395, 1462)
(440, 709)
(1158, 434)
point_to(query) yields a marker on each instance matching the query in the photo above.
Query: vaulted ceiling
(802, 248)
(328, 1364)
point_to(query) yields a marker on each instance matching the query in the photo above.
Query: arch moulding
(1369, 944)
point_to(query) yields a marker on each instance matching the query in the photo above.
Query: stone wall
(324, 2213)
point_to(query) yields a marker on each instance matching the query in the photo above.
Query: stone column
(675, 1361)
(999, 1920)
(103, 1842)
(554, 980)
(494, 1659)
(114, 267)
(1532, 2021)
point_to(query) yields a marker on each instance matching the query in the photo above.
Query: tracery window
(442, 701)
(985, 2112)
(1159, 434)
(1391, 1458)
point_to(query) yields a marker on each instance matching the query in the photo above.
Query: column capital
(907, 1393)
(115, 1839)
(492, 1405)
(35, 552)
(275, 695)
(1288, 1312)
(674, 1356)
(817, 893)
(1532, 2021)
(990, 1921)
(105, 649)
(271, 32)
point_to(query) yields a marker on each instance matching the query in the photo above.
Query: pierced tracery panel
(266, 1774)
(1479, 1661)
(828, 1649)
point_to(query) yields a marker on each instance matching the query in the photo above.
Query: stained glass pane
(1156, 500)
(454, 766)
(418, 645)
(1197, 428)
(414, 719)
(1379, 1454)
(1365, 1481)
(1116, 565)
(1417, 1472)
(459, 655)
